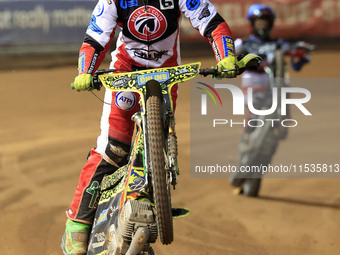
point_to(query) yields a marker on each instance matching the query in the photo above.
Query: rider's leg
(259, 82)
(112, 149)
(113, 146)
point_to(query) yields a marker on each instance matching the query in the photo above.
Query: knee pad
(117, 151)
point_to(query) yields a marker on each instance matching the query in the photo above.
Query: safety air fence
(59, 25)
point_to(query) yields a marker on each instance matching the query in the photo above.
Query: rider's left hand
(228, 63)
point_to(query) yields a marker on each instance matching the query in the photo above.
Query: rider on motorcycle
(261, 18)
(149, 38)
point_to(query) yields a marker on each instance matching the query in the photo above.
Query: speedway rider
(262, 17)
(149, 38)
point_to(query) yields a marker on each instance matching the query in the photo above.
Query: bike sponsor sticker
(160, 77)
(149, 25)
(125, 100)
(112, 210)
(120, 82)
(102, 217)
(100, 237)
(128, 3)
(138, 184)
(193, 4)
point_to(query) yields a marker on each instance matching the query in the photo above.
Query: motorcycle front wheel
(160, 183)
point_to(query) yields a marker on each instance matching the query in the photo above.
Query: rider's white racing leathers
(149, 38)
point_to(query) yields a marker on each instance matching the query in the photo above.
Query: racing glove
(228, 63)
(83, 82)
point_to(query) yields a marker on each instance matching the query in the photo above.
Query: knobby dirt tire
(161, 186)
(280, 71)
(251, 187)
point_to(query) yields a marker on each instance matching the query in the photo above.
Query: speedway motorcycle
(135, 202)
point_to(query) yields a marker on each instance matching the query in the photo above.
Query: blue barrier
(49, 22)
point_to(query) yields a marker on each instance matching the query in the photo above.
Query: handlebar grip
(207, 71)
(96, 83)
(244, 62)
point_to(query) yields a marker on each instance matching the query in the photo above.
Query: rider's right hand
(83, 82)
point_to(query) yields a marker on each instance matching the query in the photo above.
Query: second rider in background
(261, 18)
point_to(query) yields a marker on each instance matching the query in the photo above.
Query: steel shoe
(75, 238)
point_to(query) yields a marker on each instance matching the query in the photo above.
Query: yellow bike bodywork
(135, 81)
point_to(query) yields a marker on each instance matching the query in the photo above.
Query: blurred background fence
(43, 28)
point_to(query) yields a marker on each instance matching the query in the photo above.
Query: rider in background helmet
(262, 19)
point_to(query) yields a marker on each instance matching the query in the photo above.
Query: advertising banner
(53, 22)
(294, 18)
(43, 22)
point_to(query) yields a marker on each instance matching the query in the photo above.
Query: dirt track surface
(47, 129)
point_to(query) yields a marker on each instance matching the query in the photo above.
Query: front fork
(172, 150)
(141, 128)
(170, 155)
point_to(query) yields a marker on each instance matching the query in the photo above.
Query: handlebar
(305, 46)
(244, 62)
(300, 49)
(209, 71)
(215, 73)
